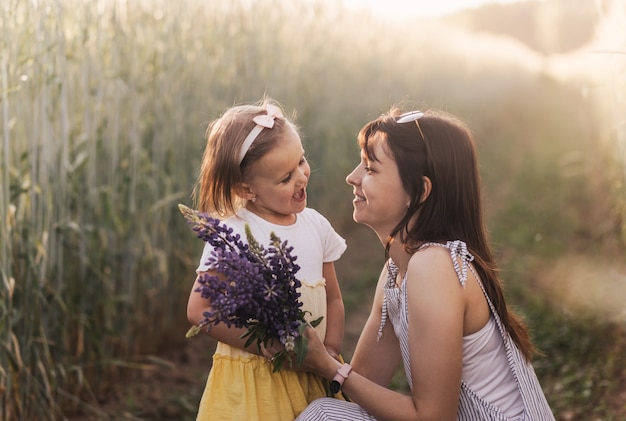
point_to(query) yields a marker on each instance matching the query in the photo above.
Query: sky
(403, 9)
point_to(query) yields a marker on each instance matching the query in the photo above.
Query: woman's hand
(318, 360)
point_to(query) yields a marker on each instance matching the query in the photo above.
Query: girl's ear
(428, 187)
(245, 192)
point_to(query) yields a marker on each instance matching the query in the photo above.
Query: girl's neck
(273, 217)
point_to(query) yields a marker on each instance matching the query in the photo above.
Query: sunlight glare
(404, 9)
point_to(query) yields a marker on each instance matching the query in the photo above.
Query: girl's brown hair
(442, 148)
(221, 173)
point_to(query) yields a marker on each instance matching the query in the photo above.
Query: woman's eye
(368, 169)
(287, 179)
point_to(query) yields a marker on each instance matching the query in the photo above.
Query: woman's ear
(428, 187)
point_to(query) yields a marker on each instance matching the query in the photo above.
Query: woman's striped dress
(471, 406)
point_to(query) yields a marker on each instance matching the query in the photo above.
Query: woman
(439, 307)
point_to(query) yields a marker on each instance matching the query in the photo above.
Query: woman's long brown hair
(442, 148)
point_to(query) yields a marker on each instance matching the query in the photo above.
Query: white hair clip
(263, 121)
(412, 116)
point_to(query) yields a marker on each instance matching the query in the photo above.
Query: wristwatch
(342, 374)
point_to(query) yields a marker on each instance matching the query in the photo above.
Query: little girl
(254, 172)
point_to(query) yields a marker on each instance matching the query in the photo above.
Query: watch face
(335, 387)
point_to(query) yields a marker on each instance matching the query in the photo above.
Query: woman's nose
(352, 178)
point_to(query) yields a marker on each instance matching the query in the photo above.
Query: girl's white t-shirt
(314, 243)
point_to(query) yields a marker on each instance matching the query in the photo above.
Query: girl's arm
(196, 306)
(436, 308)
(334, 311)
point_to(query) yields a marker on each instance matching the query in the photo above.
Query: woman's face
(278, 181)
(380, 200)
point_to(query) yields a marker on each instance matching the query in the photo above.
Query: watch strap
(342, 374)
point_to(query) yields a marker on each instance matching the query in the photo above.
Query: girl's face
(379, 201)
(278, 181)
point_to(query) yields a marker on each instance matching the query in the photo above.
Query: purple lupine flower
(253, 288)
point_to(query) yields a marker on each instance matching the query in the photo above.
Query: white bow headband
(263, 121)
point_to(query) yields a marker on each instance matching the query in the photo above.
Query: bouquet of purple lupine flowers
(255, 288)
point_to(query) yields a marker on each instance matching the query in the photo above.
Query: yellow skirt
(242, 386)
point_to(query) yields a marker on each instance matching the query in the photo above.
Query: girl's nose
(304, 174)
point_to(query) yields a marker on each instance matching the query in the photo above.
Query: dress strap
(458, 250)
(392, 272)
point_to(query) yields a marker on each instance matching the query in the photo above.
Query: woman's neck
(399, 255)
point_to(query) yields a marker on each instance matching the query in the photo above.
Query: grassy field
(103, 107)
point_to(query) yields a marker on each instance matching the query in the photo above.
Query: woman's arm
(374, 358)
(436, 309)
(196, 306)
(334, 311)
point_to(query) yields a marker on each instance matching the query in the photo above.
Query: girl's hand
(272, 350)
(333, 353)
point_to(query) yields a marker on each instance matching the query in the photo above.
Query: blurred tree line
(550, 27)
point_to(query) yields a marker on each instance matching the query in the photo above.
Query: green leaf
(315, 322)
(193, 331)
(279, 360)
(247, 333)
(251, 339)
(304, 348)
